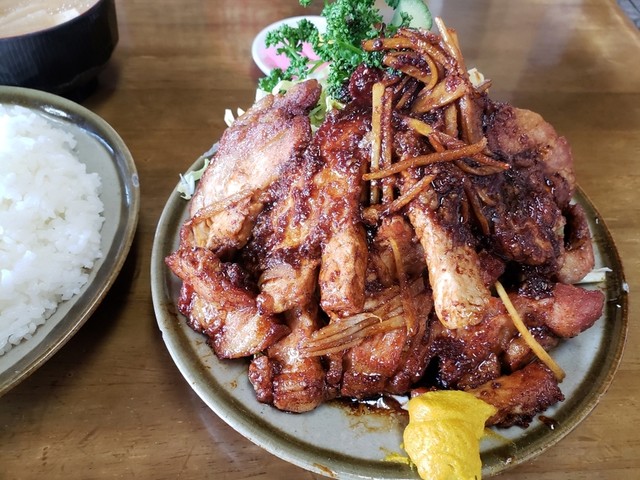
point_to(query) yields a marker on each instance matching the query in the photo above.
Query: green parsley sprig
(349, 22)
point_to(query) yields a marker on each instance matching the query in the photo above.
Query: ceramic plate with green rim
(335, 442)
(102, 150)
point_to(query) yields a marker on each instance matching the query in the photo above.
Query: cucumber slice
(417, 9)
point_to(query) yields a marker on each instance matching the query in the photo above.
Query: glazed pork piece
(363, 259)
(251, 155)
(217, 303)
(284, 378)
(253, 151)
(520, 396)
(525, 138)
(471, 356)
(460, 294)
(391, 361)
(311, 233)
(217, 296)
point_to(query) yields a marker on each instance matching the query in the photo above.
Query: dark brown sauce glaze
(549, 422)
(381, 405)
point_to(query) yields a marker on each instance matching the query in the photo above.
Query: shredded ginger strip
(540, 352)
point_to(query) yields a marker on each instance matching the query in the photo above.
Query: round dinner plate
(101, 149)
(335, 441)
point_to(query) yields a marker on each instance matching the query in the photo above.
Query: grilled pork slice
(568, 311)
(314, 220)
(527, 226)
(225, 226)
(284, 251)
(392, 354)
(467, 357)
(520, 395)
(528, 203)
(284, 378)
(219, 305)
(470, 356)
(368, 367)
(251, 155)
(391, 361)
(345, 152)
(578, 258)
(460, 295)
(523, 136)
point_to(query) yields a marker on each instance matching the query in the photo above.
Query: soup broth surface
(19, 17)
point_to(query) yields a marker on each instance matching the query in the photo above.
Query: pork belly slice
(314, 221)
(568, 311)
(528, 201)
(473, 355)
(216, 303)
(287, 285)
(223, 227)
(520, 396)
(390, 361)
(416, 354)
(577, 259)
(467, 357)
(251, 155)
(519, 134)
(285, 249)
(284, 378)
(460, 295)
(344, 148)
(368, 367)
(255, 147)
(342, 272)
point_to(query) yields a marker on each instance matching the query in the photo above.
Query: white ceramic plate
(104, 152)
(335, 442)
(263, 56)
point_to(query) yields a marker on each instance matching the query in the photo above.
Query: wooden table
(112, 404)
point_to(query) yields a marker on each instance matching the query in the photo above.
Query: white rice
(50, 222)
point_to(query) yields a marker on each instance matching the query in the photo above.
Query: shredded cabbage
(187, 185)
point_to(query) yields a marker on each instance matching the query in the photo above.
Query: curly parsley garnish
(349, 22)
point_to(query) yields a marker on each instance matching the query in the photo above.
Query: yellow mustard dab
(443, 434)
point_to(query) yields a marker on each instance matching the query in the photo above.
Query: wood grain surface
(112, 404)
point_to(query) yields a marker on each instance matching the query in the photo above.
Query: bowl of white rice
(69, 202)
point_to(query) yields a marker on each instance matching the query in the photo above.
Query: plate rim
(92, 292)
(295, 453)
